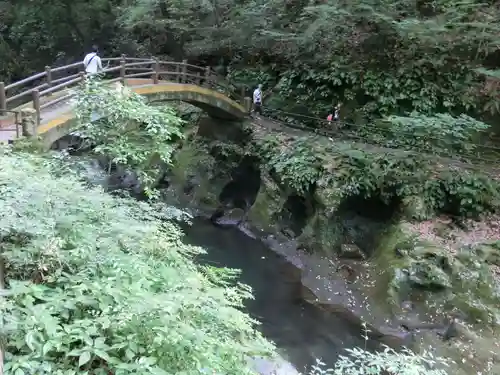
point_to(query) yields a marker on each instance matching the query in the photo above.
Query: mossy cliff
(340, 198)
(349, 200)
(203, 163)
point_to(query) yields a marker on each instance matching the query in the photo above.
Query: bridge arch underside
(215, 107)
(213, 103)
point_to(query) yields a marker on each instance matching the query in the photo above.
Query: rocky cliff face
(362, 256)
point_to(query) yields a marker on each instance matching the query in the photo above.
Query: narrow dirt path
(327, 140)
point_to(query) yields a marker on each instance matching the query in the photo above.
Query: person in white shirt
(257, 100)
(92, 62)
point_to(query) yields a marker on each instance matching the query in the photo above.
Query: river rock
(427, 267)
(427, 275)
(351, 251)
(395, 337)
(288, 233)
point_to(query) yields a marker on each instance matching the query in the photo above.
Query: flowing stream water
(302, 332)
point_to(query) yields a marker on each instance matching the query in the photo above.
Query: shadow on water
(301, 331)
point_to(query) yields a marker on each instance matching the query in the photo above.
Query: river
(302, 332)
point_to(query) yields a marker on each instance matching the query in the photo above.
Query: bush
(104, 285)
(124, 128)
(348, 170)
(388, 362)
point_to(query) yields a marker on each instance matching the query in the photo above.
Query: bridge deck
(50, 117)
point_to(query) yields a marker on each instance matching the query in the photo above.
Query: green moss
(322, 234)
(268, 203)
(187, 161)
(347, 169)
(489, 252)
(389, 263)
(474, 285)
(193, 165)
(327, 197)
(404, 261)
(415, 207)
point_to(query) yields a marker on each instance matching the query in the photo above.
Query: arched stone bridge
(41, 104)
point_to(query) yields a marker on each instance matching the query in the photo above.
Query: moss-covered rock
(461, 277)
(327, 197)
(193, 174)
(415, 207)
(351, 251)
(489, 252)
(323, 234)
(268, 204)
(427, 274)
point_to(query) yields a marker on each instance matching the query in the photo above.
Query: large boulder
(351, 251)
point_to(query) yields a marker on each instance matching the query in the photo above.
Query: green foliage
(48, 32)
(440, 134)
(405, 362)
(99, 285)
(248, 78)
(297, 165)
(345, 170)
(386, 58)
(123, 127)
(369, 92)
(473, 193)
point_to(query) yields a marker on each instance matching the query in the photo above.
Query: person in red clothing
(334, 115)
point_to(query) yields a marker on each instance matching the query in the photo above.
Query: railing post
(122, 69)
(248, 104)
(36, 106)
(198, 79)
(156, 73)
(184, 71)
(207, 76)
(3, 97)
(48, 77)
(28, 122)
(17, 122)
(178, 72)
(242, 94)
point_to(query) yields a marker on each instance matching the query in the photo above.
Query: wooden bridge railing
(17, 122)
(40, 87)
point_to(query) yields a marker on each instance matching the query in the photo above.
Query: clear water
(301, 331)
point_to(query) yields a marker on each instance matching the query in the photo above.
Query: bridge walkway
(48, 95)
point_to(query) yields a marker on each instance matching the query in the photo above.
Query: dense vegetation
(128, 133)
(97, 284)
(428, 68)
(105, 284)
(385, 57)
(343, 170)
